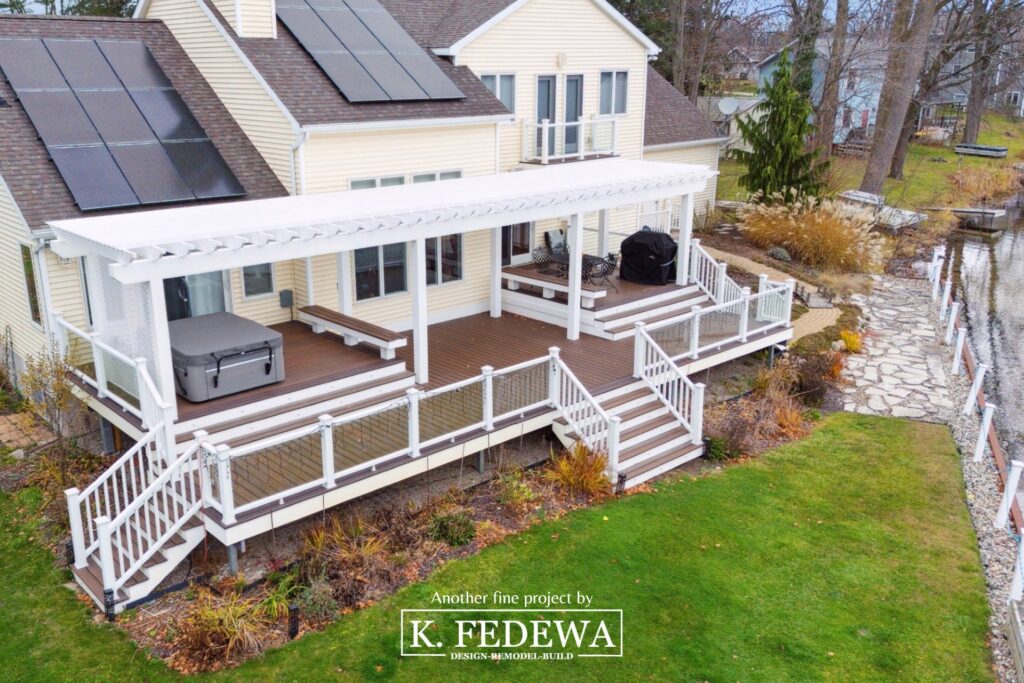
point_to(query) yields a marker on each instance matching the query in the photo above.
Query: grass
(845, 556)
(926, 172)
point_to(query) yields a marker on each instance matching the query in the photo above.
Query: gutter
(686, 143)
(400, 124)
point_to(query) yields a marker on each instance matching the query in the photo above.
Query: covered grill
(220, 354)
(648, 258)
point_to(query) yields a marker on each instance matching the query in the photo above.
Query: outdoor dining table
(561, 260)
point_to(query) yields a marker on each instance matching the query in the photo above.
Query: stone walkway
(900, 372)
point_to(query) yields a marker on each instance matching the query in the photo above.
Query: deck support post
(345, 282)
(554, 378)
(614, 429)
(75, 521)
(481, 462)
(639, 349)
(745, 315)
(958, 351)
(575, 275)
(972, 395)
(414, 421)
(421, 345)
(327, 449)
(603, 232)
(1009, 493)
(986, 424)
(697, 413)
(162, 367)
(685, 235)
(224, 486)
(695, 331)
(106, 548)
(496, 272)
(954, 311)
(233, 559)
(488, 373)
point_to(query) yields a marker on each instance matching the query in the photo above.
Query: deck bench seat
(549, 284)
(353, 330)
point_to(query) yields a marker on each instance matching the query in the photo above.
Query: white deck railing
(661, 220)
(683, 398)
(547, 141)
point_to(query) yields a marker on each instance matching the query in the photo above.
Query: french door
(573, 113)
(195, 295)
(516, 243)
(547, 91)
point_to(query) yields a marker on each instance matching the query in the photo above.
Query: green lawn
(925, 180)
(845, 556)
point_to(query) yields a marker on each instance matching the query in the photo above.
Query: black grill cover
(648, 258)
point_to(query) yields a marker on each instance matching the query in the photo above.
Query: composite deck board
(621, 291)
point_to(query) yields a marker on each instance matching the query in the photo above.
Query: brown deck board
(623, 291)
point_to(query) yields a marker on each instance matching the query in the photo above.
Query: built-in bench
(353, 330)
(549, 284)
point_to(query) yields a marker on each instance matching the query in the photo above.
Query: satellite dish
(728, 106)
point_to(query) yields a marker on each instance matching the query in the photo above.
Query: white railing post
(224, 485)
(694, 259)
(106, 548)
(1017, 584)
(720, 282)
(146, 407)
(100, 370)
(695, 331)
(206, 486)
(60, 333)
(790, 288)
(762, 286)
(954, 311)
(933, 266)
(958, 352)
(1009, 493)
(697, 413)
(554, 378)
(580, 142)
(745, 314)
(327, 449)
(545, 136)
(937, 282)
(615, 135)
(413, 396)
(488, 373)
(75, 520)
(972, 395)
(986, 424)
(944, 304)
(614, 428)
(639, 348)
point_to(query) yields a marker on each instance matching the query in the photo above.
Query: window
(258, 280)
(851, 80)
(444, 259)
(1015, 98)
(380, 271)
(613, 92)
(847, 117)
(502, 86)
(433, 177)
(516, 242)
(367, 183)
(29, 266)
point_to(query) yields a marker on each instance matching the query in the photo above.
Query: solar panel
(151, 173)
(93, 177)
(106, 112)
(364, 51)
(204, 169)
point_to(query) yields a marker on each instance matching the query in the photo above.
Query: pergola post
(162, 368)
(575, 240)
(685, 234)
(496, 272)
(421, 344)
(345, 282)
(603, 230)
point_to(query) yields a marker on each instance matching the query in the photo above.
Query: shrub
(780, 254)
(514, 494)
(816, 372)
(979, 184)
(852, 340)
(579, 471)
(821, 234)
(454, 528)
(278, 598)
(215, 629)
(731, 429)
(317, 602)
(715, 449)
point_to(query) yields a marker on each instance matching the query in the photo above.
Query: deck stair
(651, 440)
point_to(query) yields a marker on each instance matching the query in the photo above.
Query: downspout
(39, 251)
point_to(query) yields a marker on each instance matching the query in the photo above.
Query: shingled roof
(313, 99)
(442, 23)
(32, 178)
(671, 117)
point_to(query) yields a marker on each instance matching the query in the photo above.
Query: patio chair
(555, 240)
(542, 260)
(600, 274)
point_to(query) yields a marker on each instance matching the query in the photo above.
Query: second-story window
(614, 86)
(502, 86)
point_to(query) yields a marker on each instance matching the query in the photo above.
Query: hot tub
(221, 354)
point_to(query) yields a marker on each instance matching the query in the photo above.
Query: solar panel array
(365, 52)
(115, 127)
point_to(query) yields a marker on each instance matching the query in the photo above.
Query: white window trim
(528, 256)
(629, 78)
(462, 262)
(35, 280)
(436, 174)
(497, 85)
(380, 274)
(376, 180)
(273, 284)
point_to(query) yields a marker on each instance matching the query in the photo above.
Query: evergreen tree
(780, 159)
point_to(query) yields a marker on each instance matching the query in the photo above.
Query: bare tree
(829, 107)
(908, 38)
(997, 28)
(678, 14)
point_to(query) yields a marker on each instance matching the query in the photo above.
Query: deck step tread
(669, 456)
(639, 429)
(642, 409)
(644, 446)
(615, 401)
(691, 293)
(682, 310)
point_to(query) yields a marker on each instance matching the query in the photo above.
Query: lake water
(989, 277)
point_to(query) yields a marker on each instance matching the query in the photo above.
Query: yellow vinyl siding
(265, 308)
(703, 155)
(530, 42)
(14, 307)
(66, 291)
(245, 98)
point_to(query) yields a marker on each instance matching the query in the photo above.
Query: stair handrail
(711, 276)
(583, 413)
(177, 497)
(108, 495)
(683, 398)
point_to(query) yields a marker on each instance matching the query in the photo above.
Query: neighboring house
(727, 124)
(859, 89)
(739, 66)
(398, 310)
(1008, 78)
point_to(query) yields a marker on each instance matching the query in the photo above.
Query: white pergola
(151, 246)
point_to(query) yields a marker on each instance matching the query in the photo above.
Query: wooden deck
(623, 292)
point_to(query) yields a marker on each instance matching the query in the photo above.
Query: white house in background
(436, 283)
